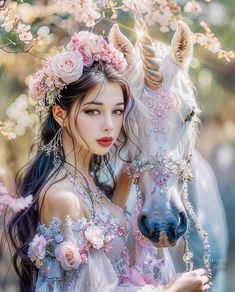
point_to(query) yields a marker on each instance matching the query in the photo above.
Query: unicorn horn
(151, 63)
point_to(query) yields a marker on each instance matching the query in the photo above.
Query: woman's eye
(190, 116)
(119, 112)
(92, 112)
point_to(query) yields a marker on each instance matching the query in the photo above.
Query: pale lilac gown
(130, 263)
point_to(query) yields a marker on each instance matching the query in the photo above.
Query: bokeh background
(213, 78)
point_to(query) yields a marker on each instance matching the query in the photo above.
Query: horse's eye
(190, 116)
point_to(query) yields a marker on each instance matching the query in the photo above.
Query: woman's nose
(108, 123)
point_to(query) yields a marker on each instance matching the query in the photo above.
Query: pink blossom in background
(8, 201)
(24, 34)
(85, 11)
(192, 6)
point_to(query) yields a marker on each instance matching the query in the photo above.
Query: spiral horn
(151, 64)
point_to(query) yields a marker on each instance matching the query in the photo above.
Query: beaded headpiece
(83, 49)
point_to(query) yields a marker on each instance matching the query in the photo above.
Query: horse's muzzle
(164, 233)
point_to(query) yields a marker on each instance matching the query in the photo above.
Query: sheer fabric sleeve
(72, 258)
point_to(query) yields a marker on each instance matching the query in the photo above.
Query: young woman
(74, 236)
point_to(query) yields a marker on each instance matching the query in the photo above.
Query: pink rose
(68, 66)
(68, 255)
(95, 236)
(37, 249)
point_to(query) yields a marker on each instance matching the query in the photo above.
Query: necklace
(90, 197)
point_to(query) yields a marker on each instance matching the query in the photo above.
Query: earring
(187, 256)
(54, 145)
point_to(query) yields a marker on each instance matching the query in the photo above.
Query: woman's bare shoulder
(58, 199)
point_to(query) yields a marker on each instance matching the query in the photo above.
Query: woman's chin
(100, 152)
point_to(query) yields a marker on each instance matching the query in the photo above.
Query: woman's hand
(193, 281)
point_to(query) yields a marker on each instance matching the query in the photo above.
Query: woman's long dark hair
(40, 170)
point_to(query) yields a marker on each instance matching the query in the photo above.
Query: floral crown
(83, 50)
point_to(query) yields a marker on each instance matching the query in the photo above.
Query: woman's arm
(59, 202)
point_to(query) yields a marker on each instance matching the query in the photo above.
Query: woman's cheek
(119, 123)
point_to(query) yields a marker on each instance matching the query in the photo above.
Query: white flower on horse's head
(67, 66)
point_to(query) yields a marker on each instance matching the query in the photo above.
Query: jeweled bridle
(161, 168)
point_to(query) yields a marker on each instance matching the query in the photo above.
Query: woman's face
(99, 121)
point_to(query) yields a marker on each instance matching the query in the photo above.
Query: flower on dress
(67, 253)
(107, 241)
(95, 236)
(37, 250)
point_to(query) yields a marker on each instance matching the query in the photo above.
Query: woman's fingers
(204, 279)
(201, 272)
(206, 287)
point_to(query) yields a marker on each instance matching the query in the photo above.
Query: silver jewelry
(187, 256)
(201, 231)
(161, 168)
(55, 145)
(90, 197)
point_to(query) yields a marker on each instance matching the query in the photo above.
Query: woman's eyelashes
(94, 112)
(91, 112)
(119, 111)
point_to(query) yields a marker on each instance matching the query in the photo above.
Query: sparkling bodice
(94, 254)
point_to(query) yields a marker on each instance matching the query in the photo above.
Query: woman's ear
(59, 114)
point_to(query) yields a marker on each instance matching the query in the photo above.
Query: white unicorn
(158, 77)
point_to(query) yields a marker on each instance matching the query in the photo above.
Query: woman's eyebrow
(100, 103)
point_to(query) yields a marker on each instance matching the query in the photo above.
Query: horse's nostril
(143, 222)
(182, 226)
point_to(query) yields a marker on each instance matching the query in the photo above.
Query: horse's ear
(121, 43)
(182, 45)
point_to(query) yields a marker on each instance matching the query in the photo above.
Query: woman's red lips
(105, 142)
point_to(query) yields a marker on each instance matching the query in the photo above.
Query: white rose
(95, 236)
(66, 65)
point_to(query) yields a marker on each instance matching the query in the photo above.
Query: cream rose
(68, 255)
(95, 236)
(68, 66)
